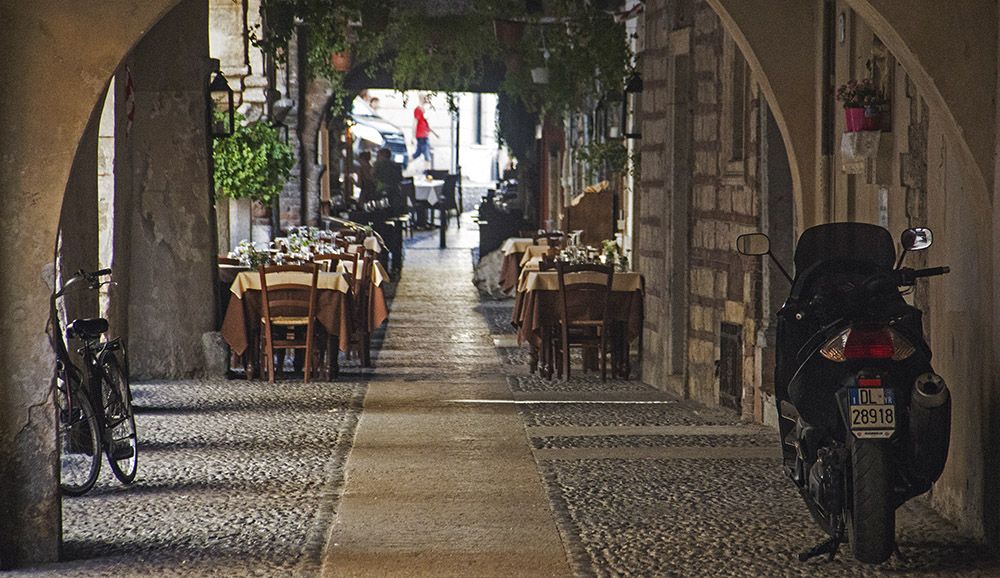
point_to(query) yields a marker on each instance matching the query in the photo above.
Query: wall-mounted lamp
(221, 96)
(630, 107)
(609, 115)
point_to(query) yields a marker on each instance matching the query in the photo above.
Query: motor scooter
(864, 420)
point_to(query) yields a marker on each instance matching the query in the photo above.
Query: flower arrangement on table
(249, 256)
(862, 102)
(613, 255)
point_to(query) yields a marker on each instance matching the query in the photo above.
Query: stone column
(45, 43)
(78, 224)
(171, 272)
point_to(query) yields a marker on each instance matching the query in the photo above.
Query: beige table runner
(549, 281)
(250, 281)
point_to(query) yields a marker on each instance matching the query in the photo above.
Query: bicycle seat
(87, 328)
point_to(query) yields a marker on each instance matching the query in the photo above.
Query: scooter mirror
(916, 239)
(753, 244)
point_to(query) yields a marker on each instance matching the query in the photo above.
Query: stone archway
(789, 80)
(58, 59)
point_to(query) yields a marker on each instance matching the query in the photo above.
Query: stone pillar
(171, 274)
(80, 47)
(78, 224)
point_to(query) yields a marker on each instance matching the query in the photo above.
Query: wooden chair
(328, 261)
(222, 260)
(552, 238)
(361, 307)
(546, 354)
(294, 309)
(583, 312)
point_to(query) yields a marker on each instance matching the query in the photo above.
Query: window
(739, 108)
(735, 110)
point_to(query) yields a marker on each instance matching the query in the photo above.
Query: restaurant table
(534, 252)
(241, 325)
(429, 191)
(536, 305)
(516, 245)
(513, 251)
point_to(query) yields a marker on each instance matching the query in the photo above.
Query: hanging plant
(253, 163)
(609, 156)
(585, 54)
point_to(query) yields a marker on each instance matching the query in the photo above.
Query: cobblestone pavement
(244, 478)
(236, 478)
(645, 484)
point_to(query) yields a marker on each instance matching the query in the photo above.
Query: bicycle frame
(93, 350)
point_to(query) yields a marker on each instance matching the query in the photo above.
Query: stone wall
(700, 191)
(171, 235)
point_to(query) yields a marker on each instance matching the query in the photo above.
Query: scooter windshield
(845, 242)
(830, 258)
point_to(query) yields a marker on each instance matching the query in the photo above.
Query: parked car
(372, 132)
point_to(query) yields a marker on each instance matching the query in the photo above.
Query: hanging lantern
(221, 96)
(609, 115)
(630, 108)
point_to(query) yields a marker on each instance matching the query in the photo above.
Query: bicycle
(94, 404)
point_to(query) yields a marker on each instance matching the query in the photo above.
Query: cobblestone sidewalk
(235, 478)
(645, 484)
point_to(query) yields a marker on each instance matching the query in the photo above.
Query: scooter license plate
(872, 411)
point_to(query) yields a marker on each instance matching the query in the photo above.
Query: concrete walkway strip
(660, 453)
(435, 488)
(662, 430)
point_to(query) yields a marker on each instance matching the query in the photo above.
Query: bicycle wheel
(120, 442)
(79, 443)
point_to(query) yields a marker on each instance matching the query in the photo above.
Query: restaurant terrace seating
(583, 312)
(288, 308)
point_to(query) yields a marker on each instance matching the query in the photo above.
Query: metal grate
(731, 366)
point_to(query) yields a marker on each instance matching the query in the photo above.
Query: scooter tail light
(834, 349)
(868, 343)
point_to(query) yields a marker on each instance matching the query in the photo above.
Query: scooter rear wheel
(871, 519)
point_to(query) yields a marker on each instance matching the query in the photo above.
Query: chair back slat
(288, 303)
(592, 297)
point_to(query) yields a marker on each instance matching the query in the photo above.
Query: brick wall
(650, 213)
(720, 187)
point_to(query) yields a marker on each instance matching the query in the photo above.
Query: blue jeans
(423, 148)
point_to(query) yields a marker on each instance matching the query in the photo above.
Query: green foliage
(588, 53)
(609, 156)
(449, 53)
(587, 56)
(253, 163)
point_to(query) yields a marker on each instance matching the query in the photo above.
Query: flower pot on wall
(341, 61)
(872, 119)
(854, 119)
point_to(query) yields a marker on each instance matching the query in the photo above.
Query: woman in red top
(422, 131)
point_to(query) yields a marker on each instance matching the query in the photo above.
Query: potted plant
(253, 164)
(341, 61)
(862, 102)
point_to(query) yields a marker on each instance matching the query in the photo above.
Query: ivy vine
(252, 163)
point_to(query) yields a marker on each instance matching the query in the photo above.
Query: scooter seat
(87, 328)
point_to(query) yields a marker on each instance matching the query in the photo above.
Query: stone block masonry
(717, 189)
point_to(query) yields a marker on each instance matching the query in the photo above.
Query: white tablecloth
(516, 245)
(429, 191)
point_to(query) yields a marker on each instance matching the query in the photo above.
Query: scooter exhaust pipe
(930, 391)
(930, 428)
